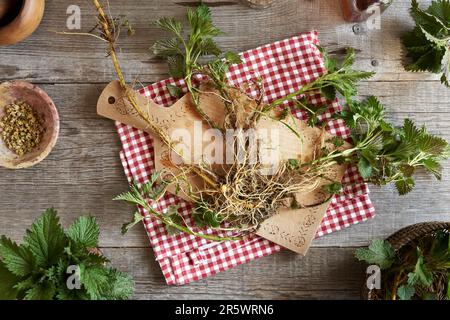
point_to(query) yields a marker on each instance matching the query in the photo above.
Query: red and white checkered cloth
(284, 66)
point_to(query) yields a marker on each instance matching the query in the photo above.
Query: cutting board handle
(114, 105)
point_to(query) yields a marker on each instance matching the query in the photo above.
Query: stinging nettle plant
(418, 271)
(38, 268)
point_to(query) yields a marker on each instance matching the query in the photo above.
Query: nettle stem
(185, 229)
(130, 93)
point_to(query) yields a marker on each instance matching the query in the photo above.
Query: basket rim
(405, 236)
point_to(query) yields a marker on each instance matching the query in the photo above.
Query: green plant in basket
(53, 264)
(419, 270)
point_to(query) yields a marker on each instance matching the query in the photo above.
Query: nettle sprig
(385, 153)
(428, 45)
(195, 55)
(340, 78)
(38, 269)
(419, 271)
(146, 195)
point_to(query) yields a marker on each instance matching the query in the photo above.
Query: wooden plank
(82, 59)
(326, 273)
(84, 173)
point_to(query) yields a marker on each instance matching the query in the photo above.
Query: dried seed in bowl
(21, 128)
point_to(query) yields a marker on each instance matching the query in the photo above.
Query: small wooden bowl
(26, 20)
(21, 91)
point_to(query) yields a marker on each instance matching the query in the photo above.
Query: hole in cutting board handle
(111, 100)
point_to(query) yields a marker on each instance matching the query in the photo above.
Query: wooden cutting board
(291, 228)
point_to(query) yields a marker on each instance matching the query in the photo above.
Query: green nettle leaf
(333, 188)
(232, 57)
(173, 216)
(405, 185)
(203, 216)
(421, 275)
(379, 252)
(7, 282)
(94, 279)
(17, 259)
(85, 232)
(169, 24)
(46, 239)
(120, 286)
(434, 167)
(41, 291)
(37, 269)
(137, 218)
(428, 44)
(448, 286)
(406, 292)
(134, 196)
(365, 168)
(174, 91)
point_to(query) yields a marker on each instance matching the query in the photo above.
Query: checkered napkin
(284, 66)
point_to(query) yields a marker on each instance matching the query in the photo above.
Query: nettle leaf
(17, 259)
(41, 291)
(174, 91)
(365, 168)
(84, 232)
(46, 239)
(406, 185)
(133, 196)
(94, 279)
(441, 10)
(177, 69)
(137, 218)
(428, 43)
(333, 188)
(167, 48)
(233, 57)
(422, 275)
(120, 286)
(7, 282)
(170, 24)
(406, 292)
(379, 252)
(203, 216)
(173, 216)
(447, 296)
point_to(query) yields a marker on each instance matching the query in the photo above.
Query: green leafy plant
(428, 44)
(184, 55)
(41, 267)
(385, 153)
(419, 270)
(340, 78)
(147, 194)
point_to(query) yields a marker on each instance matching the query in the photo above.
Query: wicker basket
(402, 238)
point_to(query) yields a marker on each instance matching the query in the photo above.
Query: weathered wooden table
(84, 173)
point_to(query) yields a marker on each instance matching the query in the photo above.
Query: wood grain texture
(84, 173)
(281, 276)
(82, 59)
